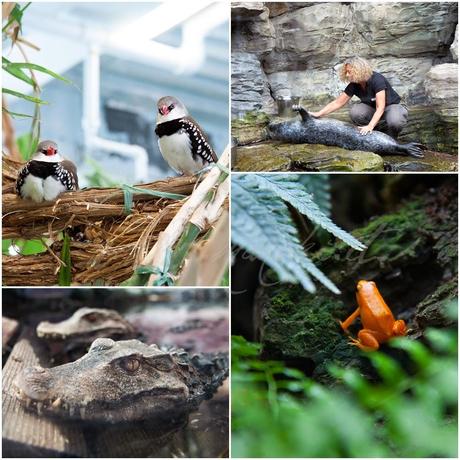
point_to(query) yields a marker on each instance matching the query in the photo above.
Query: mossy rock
(251, 128)
(431, 162)
(274, 156)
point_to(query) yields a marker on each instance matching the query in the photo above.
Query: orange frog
(379, 324)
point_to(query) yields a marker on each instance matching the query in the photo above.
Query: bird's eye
(171, 107)
(130, 365)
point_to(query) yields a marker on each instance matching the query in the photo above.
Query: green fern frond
(257, 227)
(319, 186)
(287, 187)
(262, 225)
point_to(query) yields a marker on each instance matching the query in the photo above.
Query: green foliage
(17, 70)
(278, 412)
(98, 177)
(129, 191)
(65, 272)
(319, 186)
(16, 15)
(23, 247)
(143, 272)
(262, 225)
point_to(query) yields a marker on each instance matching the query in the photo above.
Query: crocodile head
(120, 382)
(87, 324)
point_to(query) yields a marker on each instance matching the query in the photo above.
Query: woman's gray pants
(392, 122)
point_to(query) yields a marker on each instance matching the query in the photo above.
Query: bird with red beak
(46, 175)
(181, 140)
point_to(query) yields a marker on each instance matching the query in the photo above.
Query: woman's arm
(379, 109)
(332, 106)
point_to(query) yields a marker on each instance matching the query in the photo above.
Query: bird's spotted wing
(200, 144)
(23, 173)
(66, 172)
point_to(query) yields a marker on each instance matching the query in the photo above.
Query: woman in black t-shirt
(380, 104)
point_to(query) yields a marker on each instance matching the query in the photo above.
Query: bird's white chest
(38, 189)
(176, 150)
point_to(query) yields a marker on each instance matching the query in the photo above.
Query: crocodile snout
(33, 383)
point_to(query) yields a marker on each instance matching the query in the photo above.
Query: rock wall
(281, 49)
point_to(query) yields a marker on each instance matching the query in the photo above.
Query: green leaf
(65, 272)
(262, 224)
(127, 200)
(12, 69)
(39, 68)
(15, 114)
(36, 100)
(129, 191)
(318, 185)
(15, 15)
(30, 247)
(286, 186)
(6, 244)
(25, 146)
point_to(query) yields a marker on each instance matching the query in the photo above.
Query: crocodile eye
(91, 317)
(130, 365)
(163, 364)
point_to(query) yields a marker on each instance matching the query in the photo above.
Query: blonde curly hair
(359, 69)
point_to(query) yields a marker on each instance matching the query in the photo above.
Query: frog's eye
(130, 365)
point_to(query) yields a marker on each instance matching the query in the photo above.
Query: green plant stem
(188, 237)
(137, 279)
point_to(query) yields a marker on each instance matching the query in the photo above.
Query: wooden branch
(25, 219)
(107, 245)
(169, 237)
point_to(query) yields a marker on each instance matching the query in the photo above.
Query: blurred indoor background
(121, 58)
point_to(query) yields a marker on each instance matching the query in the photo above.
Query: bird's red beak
(50, 151)
(164, 110)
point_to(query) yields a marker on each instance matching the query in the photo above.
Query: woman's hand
(315, 114)
(363, 130)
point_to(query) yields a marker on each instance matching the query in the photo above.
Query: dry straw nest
(107, 244)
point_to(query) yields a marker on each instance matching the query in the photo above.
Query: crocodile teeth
(57, 403)
(82, 412)
(39, 408)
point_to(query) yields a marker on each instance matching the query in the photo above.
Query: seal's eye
(130, 365)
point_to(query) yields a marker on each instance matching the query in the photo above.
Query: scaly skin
(327, 131)
(122, 381)
(86, 325)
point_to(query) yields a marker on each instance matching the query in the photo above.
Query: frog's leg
(399, 328)
(349, 321)
(366, 341)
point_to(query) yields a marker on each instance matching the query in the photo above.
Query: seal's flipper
(302, 112)
(412, 149)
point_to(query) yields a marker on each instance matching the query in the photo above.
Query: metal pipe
(91, 121)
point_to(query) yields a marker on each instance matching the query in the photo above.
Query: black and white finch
(46, 175)
(182, 142)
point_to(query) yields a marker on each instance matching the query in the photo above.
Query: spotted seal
(327, 131)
